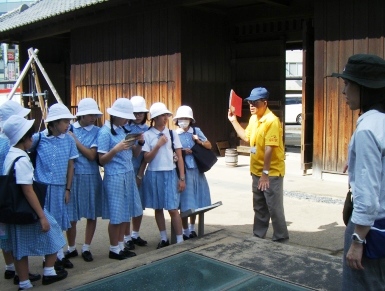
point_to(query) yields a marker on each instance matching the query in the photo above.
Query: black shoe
(163, 244)
(193, 234)
(128, 253)
(9, 274)
(32, 278)
(69, 254)
(66, 263)
(58, 265)
(87, 256)
(129, 245)
(185, 237)
(52, 279)
(115, 256)
(139, 241)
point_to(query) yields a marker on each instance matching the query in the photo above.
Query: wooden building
(192, 52)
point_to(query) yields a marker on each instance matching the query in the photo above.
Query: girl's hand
(67, 197)
(123, 145)
(162, 140)
(187, 151)
(181, 186)
(45, 226)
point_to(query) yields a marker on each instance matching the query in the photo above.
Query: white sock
(25, 284)
(186, 231)
(163, 235)
(135, 234)
(127, 238)
(115, 249)
(71, 249)
(10, 267)
(60, 254)
(49, 271)
(85, 248)
(179, 238)
(192, 227)
(121, 245)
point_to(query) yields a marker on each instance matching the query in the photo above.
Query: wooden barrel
(231, 157)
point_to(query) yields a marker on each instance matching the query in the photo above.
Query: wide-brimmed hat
(258, 93)
(15, 127)
(122, 108)
(364, 69)
(88, 106)
(184, 111)
(58, 111)
(158, 108)
(139, 104)
(10, 107)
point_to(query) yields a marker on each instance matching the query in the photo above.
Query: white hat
(15, 127)
(139, 104)
(10, 107)
(158, 108)
(88, 106)
(58, 111)
(184, 111)
(122, 108)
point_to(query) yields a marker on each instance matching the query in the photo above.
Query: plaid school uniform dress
(136, 162)
(53, 154)
(121, 199)
(197, 191)
(29, 240)
(86, 190)
(160, 182)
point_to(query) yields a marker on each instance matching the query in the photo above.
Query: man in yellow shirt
(267, 164)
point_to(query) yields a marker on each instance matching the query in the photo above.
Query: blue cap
(258, 93)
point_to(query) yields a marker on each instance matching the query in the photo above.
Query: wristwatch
(182, 178)
(266, 172)
(356, 238)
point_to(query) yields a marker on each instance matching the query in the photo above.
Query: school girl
(7, 109)
(137, 125)
(121, 196)
(56, 151)
(161, 186)
(43, 237)
(197, 192)
(86, 191)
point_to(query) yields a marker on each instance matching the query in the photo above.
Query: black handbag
(14, 207)
(348, 207)
(204, 158)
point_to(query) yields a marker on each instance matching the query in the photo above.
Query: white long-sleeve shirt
(367, 168)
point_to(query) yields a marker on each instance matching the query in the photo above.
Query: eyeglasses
(255, 102)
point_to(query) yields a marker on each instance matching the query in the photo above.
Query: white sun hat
(15, 127)
(158, 108)
(88, 106)
(139, 104)
(58, 111)
(122, 108)
(11, 107)
(184, 111)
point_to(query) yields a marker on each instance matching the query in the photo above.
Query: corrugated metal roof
(41, 9)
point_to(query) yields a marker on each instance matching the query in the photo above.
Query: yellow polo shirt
(266, 131)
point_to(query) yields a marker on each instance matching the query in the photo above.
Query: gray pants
(371, 278)
(269, 204)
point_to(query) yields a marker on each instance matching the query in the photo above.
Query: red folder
(235, 103)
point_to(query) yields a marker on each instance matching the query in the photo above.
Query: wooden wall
(137, 55)
(342, 28)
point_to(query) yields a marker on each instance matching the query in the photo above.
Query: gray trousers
(373, 275)
(268, 205)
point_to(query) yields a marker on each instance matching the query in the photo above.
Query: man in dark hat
(267, 165)
(364, 90)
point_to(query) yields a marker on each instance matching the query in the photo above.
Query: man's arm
(238, 128)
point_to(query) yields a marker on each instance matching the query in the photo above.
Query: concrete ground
(311, 258)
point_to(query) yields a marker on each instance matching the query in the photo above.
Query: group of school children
(137, 175)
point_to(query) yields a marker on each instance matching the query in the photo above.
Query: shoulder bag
(375, 240)
(14, 207)
(204, 158)
(348, 207)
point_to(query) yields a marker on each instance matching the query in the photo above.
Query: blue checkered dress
(86, 190)
(29, 240)
(121, 199)
(4, 148)
(53, 154)
(197, 192)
